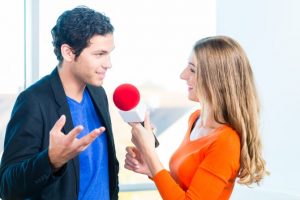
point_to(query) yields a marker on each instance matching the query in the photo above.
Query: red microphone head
(126, 97)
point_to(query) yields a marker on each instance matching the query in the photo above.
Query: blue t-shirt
(94, 177)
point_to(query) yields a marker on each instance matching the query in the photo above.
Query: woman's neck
(208, 119)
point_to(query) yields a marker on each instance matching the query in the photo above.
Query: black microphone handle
(156, 141)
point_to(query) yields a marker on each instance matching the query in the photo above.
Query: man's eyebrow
(103, 50)
(100, 51)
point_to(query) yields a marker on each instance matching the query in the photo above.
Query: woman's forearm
(153, 161)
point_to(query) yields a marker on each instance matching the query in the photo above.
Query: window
(12, 52)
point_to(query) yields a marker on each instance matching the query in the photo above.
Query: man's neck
(73, 87)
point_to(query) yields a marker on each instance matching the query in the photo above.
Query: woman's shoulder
(193, 116)
(227, 137)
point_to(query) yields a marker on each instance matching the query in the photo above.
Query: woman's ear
(67, 53)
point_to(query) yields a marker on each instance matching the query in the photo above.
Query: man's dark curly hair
(76, 27)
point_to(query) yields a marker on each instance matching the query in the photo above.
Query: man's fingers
(89, 138)
(59, 124)
(73, 133)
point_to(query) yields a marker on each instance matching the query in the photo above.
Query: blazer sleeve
(25, 166)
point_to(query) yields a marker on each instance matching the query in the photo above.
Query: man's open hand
(63, 147)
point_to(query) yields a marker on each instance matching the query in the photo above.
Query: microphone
(126, 97)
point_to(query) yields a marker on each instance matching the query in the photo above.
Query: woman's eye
(192, 70)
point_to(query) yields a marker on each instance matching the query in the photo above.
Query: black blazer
(25, 171)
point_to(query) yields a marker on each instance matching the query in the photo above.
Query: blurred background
(153, 41)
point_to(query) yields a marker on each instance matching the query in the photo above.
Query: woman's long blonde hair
(225, 82)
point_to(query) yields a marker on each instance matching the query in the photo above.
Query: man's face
(91, 65)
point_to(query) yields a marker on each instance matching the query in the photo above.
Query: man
(59, 142)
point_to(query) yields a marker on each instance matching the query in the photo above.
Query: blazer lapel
(101, 106)
(60, 98)
(99, 99)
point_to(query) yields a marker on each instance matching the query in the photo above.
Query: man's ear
(67, 53)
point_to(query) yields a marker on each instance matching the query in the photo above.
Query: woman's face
(189, 75)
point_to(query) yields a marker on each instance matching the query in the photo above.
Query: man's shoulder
(38, 91)
(40, 87)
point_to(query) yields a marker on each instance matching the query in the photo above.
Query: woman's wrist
(153, 162)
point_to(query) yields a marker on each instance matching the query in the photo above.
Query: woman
(222, 142)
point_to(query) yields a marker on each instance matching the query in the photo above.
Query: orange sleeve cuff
(161, 173)
(167, 186)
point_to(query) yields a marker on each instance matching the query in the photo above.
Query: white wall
(153, 38)
(269, 31)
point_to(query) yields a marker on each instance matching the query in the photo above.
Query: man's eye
(100, 54)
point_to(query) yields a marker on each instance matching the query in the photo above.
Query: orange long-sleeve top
(205, 168)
